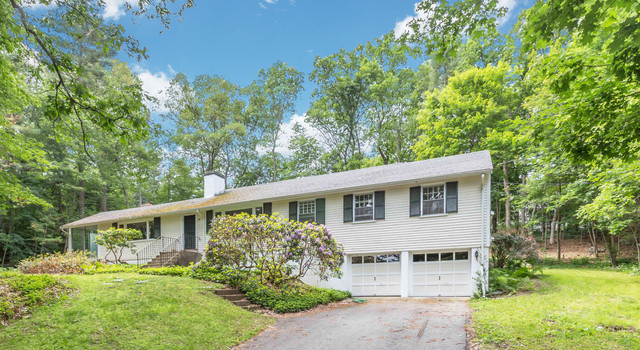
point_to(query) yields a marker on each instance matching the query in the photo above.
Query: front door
(190, 232)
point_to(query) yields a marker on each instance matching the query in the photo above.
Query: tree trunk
(559, 240)
(103, 199)
(523, 212)
(126, 196)
(81, 198)
(609, 240)
(507, 197)
(60, 199)
(554, 219)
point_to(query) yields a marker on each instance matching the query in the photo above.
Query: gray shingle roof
(468, 163)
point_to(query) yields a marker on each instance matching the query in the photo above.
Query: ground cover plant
(128, 310)
(21, 294)
(573, 309)
(56, 263)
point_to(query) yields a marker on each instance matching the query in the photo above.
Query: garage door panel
(440, 274)
(446, 278)
(446, 267)
(377, 274)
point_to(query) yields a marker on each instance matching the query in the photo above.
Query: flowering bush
(277, 249)
(116, 239)
(66, 263)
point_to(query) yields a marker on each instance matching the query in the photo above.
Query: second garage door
(375, 274)
(440, 274)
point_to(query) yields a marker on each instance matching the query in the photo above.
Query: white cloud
(402, 26)
(271, 1)
(287, 133)
(156, 85)
(113, 9)
(262, 5)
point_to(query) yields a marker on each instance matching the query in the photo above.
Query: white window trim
(444, 185)
(146, 234)
(353, 204)
(315, 209)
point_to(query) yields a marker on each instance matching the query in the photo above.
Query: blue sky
(235, 39)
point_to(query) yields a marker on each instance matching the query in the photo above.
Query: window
(363, 207)
(307, 211)
(142, 227)
(433, 200)
(83, 238)
(238, 211)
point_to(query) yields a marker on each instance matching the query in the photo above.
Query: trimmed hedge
(166, 271)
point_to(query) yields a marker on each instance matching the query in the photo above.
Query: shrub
(115, 240)
(56, 263)
(279, 250)
(511, 251)
(20, 293)
(290, 297)
(507, 281)
(166, 271)
(99, 268)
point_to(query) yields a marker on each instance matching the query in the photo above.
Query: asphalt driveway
(381, 323)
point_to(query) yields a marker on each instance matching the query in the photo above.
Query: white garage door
(375, 274)
(440, 274)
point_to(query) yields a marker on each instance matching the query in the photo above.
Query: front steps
(175, 257)
(237, 298)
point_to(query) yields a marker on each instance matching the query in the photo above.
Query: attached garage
(375, 275)
(440, 274)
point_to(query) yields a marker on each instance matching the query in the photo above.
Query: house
(409, 229)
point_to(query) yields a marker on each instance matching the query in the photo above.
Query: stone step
(233, 297)
(251, 307)
(230, 291)
(241, 303)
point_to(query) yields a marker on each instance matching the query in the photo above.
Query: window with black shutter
(320, 204)
(293, 211)
(379, 205)
(347, 205)
(452, 197)
(209, 218)
(414, 201)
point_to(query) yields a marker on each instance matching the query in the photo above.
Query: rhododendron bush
(277, 249)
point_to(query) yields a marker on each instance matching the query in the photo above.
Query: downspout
(482, 244)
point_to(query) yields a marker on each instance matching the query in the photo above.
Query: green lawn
(575, 309)
(163, 313)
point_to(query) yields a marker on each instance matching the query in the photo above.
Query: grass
(163, 313)
(574, 309)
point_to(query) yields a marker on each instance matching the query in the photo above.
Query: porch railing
(166, 248)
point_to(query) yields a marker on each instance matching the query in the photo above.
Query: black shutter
(452, 197)
(348, 208)
(414, 201)
(218, 214)
(320, 211)
(209, 217)
(379, 205)
(114, 224)
(293, 211)
(267, 208)
(156, 227)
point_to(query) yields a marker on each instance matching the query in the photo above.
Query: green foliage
(512, 251)
(574, 309)
(102, 268)
(166, 271)
(56, 263)
(120, 311)
(115, 240)
(20, 293)
(279, 250)
(510, 281)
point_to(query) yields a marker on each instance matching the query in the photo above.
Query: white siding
(399, 231)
